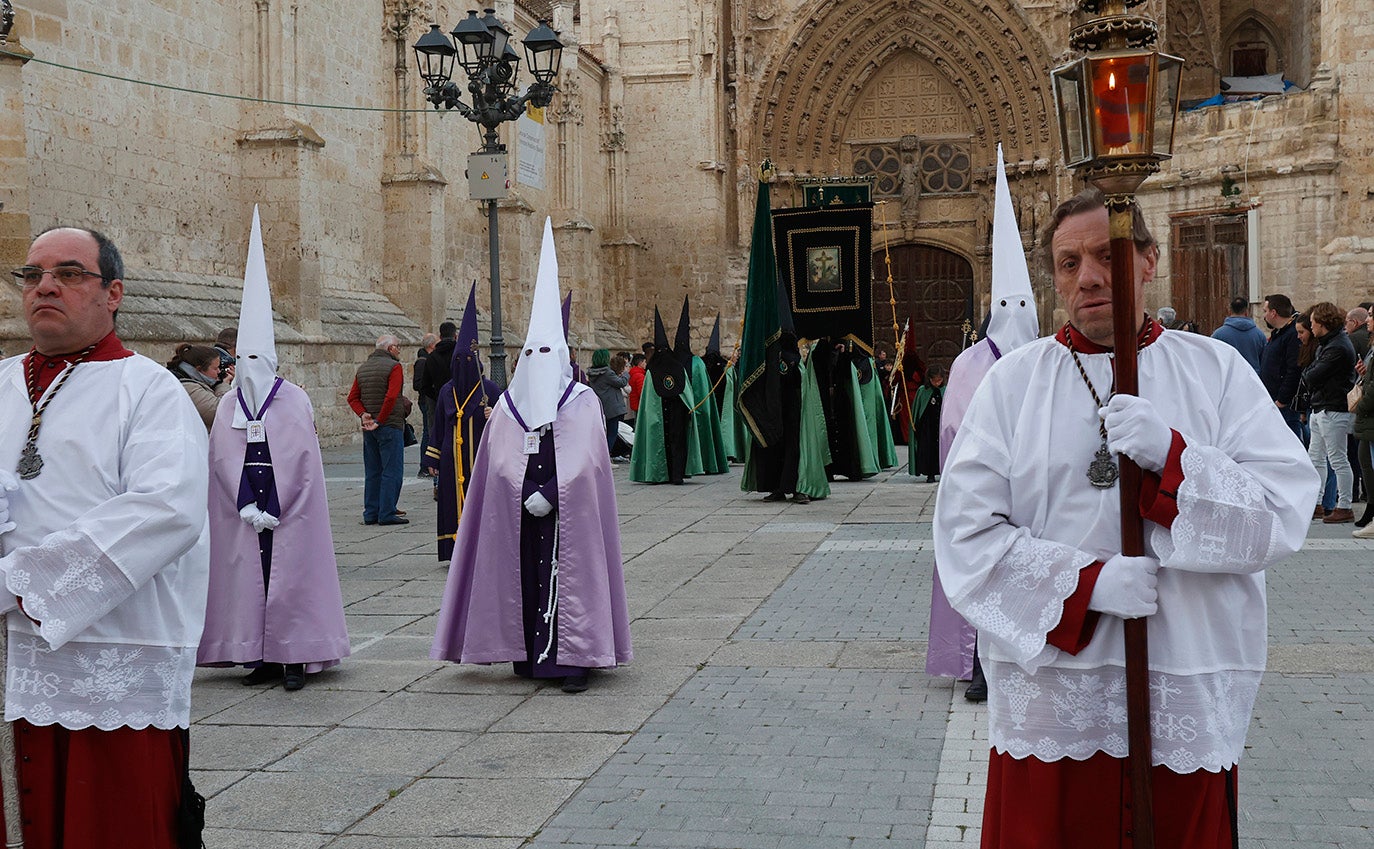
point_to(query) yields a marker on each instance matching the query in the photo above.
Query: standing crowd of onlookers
(1316, 367)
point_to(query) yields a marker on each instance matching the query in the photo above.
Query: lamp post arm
(446, 97)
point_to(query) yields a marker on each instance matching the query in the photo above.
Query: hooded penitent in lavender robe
(536, 576)
(952, 640)
(282, 605)
(1012, 322)
(500, 557)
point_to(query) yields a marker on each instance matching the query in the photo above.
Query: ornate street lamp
(1116, 107)
(7, 21)
(492, 67)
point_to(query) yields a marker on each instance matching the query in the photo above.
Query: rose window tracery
(945, 168)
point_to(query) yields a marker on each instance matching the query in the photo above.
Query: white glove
(1136, 430)
(1126, 587)
(538, 505)
(260, 520)
(9, 482)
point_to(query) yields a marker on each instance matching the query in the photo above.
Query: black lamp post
(492, 67)
(1116, 107)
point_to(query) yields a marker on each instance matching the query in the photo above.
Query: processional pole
(1108, 103)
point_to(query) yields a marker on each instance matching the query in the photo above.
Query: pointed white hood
(543, 371)
(256, 349)
(1013, 319)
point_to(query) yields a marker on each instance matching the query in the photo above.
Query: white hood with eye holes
(1013, 320)
(256, 348)
(544, 370)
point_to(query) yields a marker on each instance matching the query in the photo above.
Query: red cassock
(1072, 804)
(67, 796)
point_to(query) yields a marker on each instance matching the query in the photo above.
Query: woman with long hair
(198, 369)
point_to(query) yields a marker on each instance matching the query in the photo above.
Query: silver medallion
(1102, 471)
(30, 463)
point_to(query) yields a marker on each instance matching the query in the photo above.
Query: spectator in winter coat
(1239, 331)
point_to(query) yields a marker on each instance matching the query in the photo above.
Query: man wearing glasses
(103, 550)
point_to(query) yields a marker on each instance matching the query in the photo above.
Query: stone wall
(665, 110)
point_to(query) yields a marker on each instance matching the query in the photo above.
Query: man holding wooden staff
(1028, 538)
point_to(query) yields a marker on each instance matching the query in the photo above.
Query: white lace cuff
(1224, 522)
(1024, 600)
(66, 583)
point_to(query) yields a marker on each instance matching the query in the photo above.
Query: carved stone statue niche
(911, 177)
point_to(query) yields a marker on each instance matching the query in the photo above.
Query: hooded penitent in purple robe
(1012, 322)
(952, 639)
(454, 437)
(282, 605)
(485, 613)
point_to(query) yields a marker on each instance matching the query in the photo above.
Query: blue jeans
(426, 413)
(612, 431)
(383, 466)
(1294, 421)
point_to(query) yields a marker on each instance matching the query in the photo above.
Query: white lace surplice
(1016, 519)
(110, 553)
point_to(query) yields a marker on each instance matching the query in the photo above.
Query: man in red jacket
(376, 398)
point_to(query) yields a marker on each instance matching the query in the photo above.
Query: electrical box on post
(488, 178)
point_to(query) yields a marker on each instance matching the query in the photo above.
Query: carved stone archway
(813, 80)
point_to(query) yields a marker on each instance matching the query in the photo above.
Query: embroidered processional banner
(825, 260)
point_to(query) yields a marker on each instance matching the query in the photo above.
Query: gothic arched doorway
(934, 288)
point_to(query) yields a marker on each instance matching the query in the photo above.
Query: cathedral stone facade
(646, 160)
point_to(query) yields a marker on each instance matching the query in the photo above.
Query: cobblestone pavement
(775, 698)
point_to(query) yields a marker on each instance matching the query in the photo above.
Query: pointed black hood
(682, 345)
(667, 372)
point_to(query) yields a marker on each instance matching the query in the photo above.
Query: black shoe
(1365, 517)
(575, 683)
(368, 522)
(775, 496)
(930, 479)
(399, 520)
(295, 676)
(800, 498)
(267, 673)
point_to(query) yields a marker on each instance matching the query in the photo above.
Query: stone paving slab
(783, 753)
(868, 595)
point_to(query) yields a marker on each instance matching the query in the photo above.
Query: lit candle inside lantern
(1113, 110)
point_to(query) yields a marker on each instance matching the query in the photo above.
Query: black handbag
(1302, 399)
(410, 437)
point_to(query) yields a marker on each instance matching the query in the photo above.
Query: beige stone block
(47, 29)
